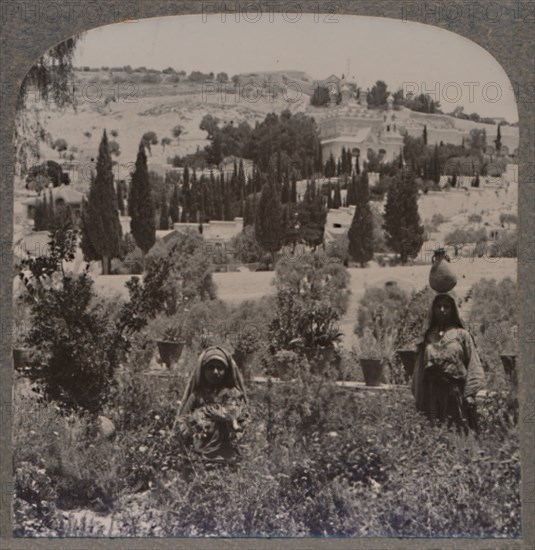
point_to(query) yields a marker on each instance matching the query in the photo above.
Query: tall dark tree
(101, 228)
(174, 204)
(186, 200)
(141, 205)
(498, 140)
(403, 228)
(164, 212)
(361, 231)
(330, 167)
(293, 189)
(337, 199)
(378, 94)
(312, 215)
(350, 197)
(436, 165)
(424, 134)
(228, 213)
(269, 231)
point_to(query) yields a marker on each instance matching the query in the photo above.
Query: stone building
(351, 125)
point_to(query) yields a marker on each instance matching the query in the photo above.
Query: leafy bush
(75, 349)
(507, 245)
(246, 247)
(389, 303)
(190, 275)
(314, 277)
(493, 321)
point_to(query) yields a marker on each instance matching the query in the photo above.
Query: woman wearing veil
(213, 409)
(448, 373)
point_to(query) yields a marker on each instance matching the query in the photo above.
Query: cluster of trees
(49, 215)
(458, 112)
(399, 229)
(290, 140)
(469, 159)
(377, 96)
(39, 176)
(344, 166)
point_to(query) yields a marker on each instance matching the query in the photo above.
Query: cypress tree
(498, 140)
(174, 204)
(142, 224)
(227, 203)
(337, 200)
(164, 212)
(424, 135)
(195, 198)
(208, 198)
(312, 216)
(40, 215)
(361, 231)
(50, 212)
(329, 196)
(186, 201)
(402, 225)
(242, 183)
(269, 231)
(285, 193)
(293, 189)
(101, 226)
(436, 165)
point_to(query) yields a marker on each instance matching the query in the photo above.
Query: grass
(317, 461)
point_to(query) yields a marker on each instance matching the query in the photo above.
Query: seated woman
(213, 409)
(448, 373)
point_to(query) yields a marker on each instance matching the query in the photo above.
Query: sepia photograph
(265, 282)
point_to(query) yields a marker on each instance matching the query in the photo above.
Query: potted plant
(320, 336)
(373, 352)
(171, 345)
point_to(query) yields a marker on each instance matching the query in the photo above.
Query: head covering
(232, 379)
(430, 321)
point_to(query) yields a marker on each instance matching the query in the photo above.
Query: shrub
(312, 277)
(493, 320)
(391, 302)
(75, 349)
(190, 276)
(151, 78)
(246, 247)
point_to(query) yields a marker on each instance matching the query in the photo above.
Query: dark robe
(448, 370)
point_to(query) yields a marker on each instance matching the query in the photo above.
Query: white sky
(391, 50)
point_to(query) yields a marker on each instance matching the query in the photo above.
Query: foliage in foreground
(318, 461)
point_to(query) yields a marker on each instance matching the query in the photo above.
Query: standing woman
(213, 409)
(448, 373)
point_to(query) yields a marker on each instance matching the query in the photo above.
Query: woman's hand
(470, 400)
(215, 413)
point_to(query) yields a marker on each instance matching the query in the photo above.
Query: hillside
(125, 103)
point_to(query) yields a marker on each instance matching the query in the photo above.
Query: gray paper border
(504, 28)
